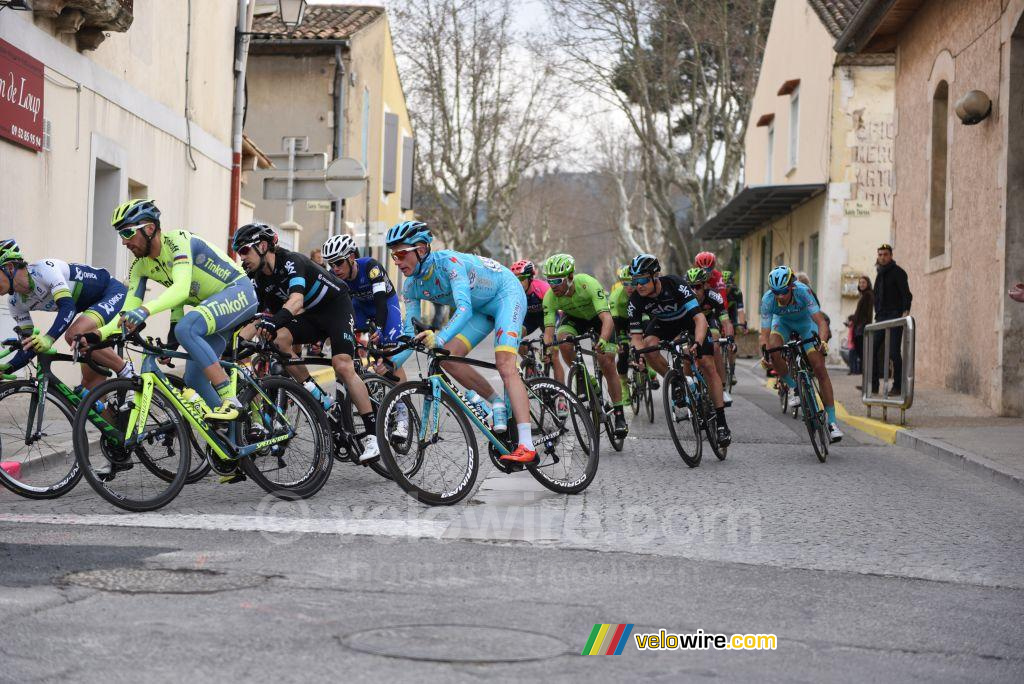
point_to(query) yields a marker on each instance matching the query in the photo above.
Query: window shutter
(408, 150)
(390, 152)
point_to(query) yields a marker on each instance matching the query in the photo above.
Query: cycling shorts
(784, 327)
(335, 322)
(391, 329)
(109, 303)
(570, 325)
(669, 330)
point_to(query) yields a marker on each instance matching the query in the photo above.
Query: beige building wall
(969, 334)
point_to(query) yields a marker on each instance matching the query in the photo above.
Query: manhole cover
(456, 643)
(162, 581)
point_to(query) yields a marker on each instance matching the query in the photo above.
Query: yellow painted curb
(875, 428)
(323, 375)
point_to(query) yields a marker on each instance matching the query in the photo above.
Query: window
(771, 154)
(794, 127)
(389, 184)
(366, 128)
(812, 257)
(938, 235)
(800, 257)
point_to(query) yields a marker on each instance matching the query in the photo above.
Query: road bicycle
(727, 344)
(641, 390)
(687, 400)
(811, 407)
(37, 428)
(280, 439)
(587, 386)
(442, 464)
(532, 361)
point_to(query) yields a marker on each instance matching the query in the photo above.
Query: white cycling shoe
(834, 433)
(371, 450)
(726, 398)
(794, 401)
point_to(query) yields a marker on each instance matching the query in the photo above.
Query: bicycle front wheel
(567, 448)
(681, 414)
(36, 441)
(440, 467)
(580, 383)
(649, 400)
(148, 473)
(814, 418)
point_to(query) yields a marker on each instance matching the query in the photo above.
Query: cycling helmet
(10, 252)
(134, 212)
(252, 233)
(644, 263)
(338, 247)
(523, 267)
(409, 233)
(623, 273)
(727, 277)
(559, 266)
(779, 279)
(696, 276)
(704, 260)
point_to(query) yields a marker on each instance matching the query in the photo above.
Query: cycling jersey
(675, 302)
(795, 317)
(483, 295)
(293, 273)
(618, 301)
(713, 307)
(535, 304)
(374, 297)
(585, 301)
(717, 283)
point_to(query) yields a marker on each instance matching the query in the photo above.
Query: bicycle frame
(44, 376)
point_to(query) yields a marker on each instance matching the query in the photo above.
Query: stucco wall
(951, 36)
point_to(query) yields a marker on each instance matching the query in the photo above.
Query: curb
(964, 460)
(876, 428)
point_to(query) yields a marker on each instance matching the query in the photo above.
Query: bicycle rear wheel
(440, 468)
(42, 464)
(133, 478)
(635, 392)
(564, 463)
(681, 414)
(298, 467)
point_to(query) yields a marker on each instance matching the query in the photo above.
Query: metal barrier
(905, 399)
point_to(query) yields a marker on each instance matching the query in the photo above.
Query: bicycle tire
(711, 423)
(200, 466)
(401, 445)
(465, 481)
(285, 394)
(584, 392)
(636, 399)
(812, 418)
(70, 474)
(649, 400)
(679, 428)
(114, 394)
(608, 416)
(547, 429)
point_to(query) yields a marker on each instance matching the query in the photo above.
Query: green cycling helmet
(134, 212)
(696, 276)
(10, 252)
(727, 277)
(623, 273)
(559, 266)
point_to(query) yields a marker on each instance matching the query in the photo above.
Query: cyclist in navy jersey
(373, 295)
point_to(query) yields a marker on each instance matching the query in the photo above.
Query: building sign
(873, 162)
(21, 97)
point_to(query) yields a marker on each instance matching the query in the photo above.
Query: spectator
(317, 257)
(861, 317)
(1017, 293)
(846, 349)
(892, 300)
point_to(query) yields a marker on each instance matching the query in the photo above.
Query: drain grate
(162, 581)
(456, 643)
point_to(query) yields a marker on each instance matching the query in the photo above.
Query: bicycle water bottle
(318, 394)
(479, 402)
(193, 397)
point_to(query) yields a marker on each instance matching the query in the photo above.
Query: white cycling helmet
(338, 247)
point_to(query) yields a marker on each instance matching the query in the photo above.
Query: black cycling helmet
(252, 233)
(644, 263)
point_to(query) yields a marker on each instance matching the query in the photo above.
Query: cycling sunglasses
(127, 232)
(641, 281)
(399, 254)
(555, 282)
(245, 249)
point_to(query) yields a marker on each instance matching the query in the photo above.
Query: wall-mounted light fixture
(974, 107)
(292, 12)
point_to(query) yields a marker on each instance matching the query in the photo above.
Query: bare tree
(683, 73)
(618, 163)
(480, 101)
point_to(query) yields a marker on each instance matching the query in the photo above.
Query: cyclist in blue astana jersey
(787, 308)
(68, 289)
(484, 296)
(195, 273)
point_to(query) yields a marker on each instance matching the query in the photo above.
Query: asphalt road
(881, 564)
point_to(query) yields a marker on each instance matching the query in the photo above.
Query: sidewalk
(956, 428)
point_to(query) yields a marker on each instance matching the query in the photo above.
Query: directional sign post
(344, 178)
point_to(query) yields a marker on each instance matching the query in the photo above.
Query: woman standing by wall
(861, 317)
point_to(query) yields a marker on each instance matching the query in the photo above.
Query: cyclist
(618, 305)
(737, 316)
(584, 307)
(674, 310)
(709, 262)
(535, 289)
(483, 296)
(715, 312)
(305, 304)
(68, 289)
(786, 308)
(195, 273)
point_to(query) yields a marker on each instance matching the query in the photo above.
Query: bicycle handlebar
(795, 343)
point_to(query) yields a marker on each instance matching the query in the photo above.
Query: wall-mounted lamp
(292, 13)
(974, 107)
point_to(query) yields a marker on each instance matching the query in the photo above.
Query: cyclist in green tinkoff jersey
(195, 273)
(584, 305)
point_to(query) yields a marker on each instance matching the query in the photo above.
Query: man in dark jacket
(892, 300)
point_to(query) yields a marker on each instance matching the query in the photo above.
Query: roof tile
(836, 14)
(321, 22)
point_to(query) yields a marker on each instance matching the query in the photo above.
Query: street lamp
(292, 12)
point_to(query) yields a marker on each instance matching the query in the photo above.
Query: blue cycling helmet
(134, 212)
(780, 278)
(409, 233)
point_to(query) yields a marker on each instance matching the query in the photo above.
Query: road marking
(432, 529)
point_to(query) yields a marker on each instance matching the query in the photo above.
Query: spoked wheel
(710, 422)
(566, 460)
(200, 467)
(814, 419)
(682, 420)
(298, 466)
(649, 400)
(635, 392)
(441, 465)
(146, 475)
(40, 464)
(404, 431)
(584, 392)
(608, 416)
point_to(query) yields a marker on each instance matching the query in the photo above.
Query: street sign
(302, 189)
(304, 161)
(345, 178)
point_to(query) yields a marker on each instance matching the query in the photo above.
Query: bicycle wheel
(99, 443)
(564, 463)
(782, 389)
(444, 448)
(298, 467)
(649, 400)
(41, 464)
(813, 418)
(710, 422)
(584, 391)
(682, 419)
(607, 416)
(378, 387)
(200, 467)
(635, 392)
